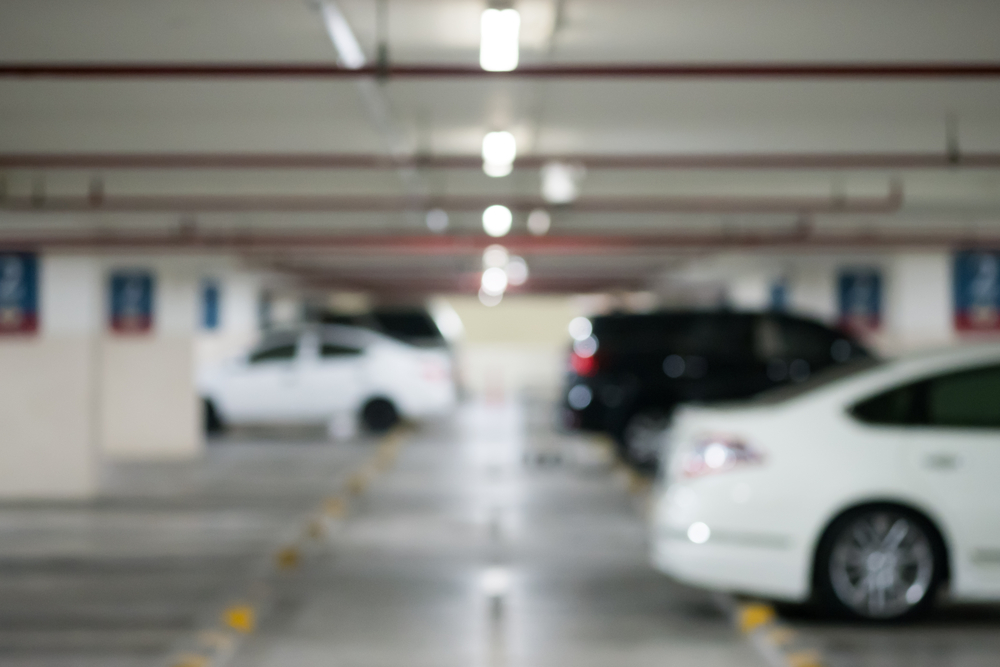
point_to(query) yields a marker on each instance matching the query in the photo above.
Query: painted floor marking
(215, 646)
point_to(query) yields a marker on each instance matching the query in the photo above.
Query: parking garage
(544, 332)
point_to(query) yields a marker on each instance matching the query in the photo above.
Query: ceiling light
(349, 52)
(517, 271)
(499, 151)
(561, 182)
(489, 300)
(437, 220)
(499, 39)
(495, 256)
(539, 222)
(494, 281)
(497, 220)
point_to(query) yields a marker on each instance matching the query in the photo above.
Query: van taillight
(583, 366)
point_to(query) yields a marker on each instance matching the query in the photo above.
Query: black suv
(629, 374)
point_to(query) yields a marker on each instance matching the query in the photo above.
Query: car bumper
(737, 557)
(432, 400)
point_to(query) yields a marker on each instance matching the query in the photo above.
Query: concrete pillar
(48, 425)
(148, 403)
(918, 304)
(238, 327)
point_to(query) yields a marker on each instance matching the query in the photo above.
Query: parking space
(499, 332)
(123, 579)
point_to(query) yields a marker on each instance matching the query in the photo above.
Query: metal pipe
(323, 161)
(678, 70)
(388, 245)
(889, 203)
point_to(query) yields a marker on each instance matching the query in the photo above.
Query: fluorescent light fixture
(561, 182)
(349, 52)
(489, 300)
(499, 40)
(495, 581)
(495, 256)
(497, 220)
(580, 328)
(499, 151)
(517, 271)
(539, 222)
(494, 281)
(437, 220)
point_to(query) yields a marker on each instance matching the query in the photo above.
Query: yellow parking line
(777, 643)
(240, 617)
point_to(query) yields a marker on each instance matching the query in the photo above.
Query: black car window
(902, 406)
(722, 337)
(787, 338)
(710, 335)
(275, 353)
(328, 350)
(969, 399)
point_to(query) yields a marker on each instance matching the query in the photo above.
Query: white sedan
(869, 489)
(324, 373)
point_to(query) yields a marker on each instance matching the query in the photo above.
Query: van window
(785, 338)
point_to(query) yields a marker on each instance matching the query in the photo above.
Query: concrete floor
(491, 541)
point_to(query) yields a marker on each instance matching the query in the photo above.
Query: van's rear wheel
(379, 415)
(880, 563)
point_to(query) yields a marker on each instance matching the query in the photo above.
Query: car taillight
(582, 360)
(719, 453)
(583, 366)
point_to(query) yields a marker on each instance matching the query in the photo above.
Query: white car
(869, 489)
(319, 374)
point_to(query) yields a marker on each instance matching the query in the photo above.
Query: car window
(900, 407)
(711, 335)
(281, 352)
(969, 399)
(329, 350)
(794, 339)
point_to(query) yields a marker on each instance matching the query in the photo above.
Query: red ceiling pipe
(889, 203)
(276, 161)
(693, 70)
(389, 245)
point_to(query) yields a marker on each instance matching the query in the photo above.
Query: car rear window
(704, 334)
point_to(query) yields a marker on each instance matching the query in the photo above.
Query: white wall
(521, 345)
(918, 302)
(48, 425)
(148, 404)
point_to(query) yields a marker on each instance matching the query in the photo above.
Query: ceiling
(363, 227)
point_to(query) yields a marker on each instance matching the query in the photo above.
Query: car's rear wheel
(880, 563)
(379, 415)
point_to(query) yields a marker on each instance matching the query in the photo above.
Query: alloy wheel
(882, 564)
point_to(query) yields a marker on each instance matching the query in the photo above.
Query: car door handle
(941, 461)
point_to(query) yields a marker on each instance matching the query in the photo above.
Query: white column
(149, 406)
(48, 426)
(918, 304)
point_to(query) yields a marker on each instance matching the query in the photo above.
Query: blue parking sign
(131, 301)
(976, 277)
(18, 293)
(211, 297)
(859, 294)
